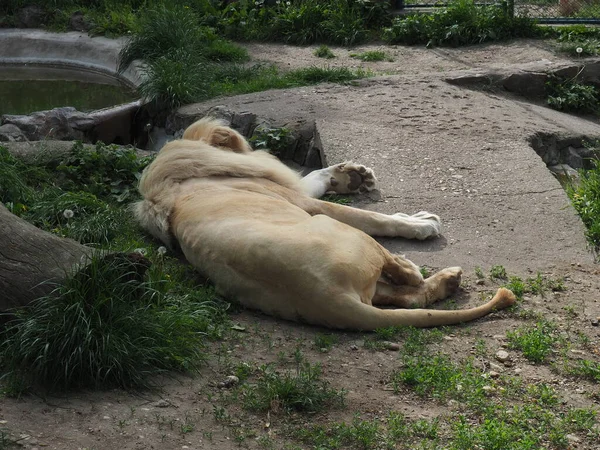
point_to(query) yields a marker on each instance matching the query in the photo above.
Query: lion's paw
(423, 225)
(350, 178)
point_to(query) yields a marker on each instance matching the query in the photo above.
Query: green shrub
(461, 23)
(106, 326)
(585, 197)
(303, 22)
(570, 95)
(109, 171)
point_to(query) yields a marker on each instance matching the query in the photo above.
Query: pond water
(26, 89)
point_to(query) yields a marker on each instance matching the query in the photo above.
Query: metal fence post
(510, 8)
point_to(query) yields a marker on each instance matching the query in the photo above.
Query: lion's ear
(228, 138)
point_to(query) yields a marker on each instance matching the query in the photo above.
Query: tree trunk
(32, 261)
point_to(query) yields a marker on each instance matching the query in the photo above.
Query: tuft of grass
(107, 325)
(324, 342)
(316, 75)
(498, 272)
(535, 341)
(300, 390)
(324, 52)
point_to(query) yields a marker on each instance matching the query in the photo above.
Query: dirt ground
(459, 153)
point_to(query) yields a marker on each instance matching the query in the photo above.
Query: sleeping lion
(257, 230)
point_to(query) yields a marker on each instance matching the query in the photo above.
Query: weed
(339, 199)
(324, 342)
(570, 95)
(498, 272)
(479, 273)
(585, 197)
(425, 271)
(275, 140)
(108, 171)
(535, 341)
(302, 390)
(324, 52)
(373, 56)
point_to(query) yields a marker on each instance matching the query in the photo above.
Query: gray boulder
(11, 133)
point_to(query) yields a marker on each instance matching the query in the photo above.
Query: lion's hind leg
(435, 288)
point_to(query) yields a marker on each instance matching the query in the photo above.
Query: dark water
(24, 90)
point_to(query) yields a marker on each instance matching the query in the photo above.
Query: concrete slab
(459, 153)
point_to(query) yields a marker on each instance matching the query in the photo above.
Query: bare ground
(462, 154)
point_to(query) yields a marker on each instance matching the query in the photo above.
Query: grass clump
(109, 324)
(324, 52)
(300, 390)
(535, 341)
(461, 23)
(373, 56)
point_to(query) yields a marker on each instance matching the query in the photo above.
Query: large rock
(78, 22)
(63, 124)
(11, 133)
(304, 147)
(110, 125)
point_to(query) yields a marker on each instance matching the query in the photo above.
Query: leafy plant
(498, 272)
(585, 197)
(461, 23)
(276, 140)
(109, 171)
(572, 96)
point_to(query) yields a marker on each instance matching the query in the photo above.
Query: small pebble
(595, 322)
(502, 356)
(392, 346)
(230, 381)
(354, 347)
(480, 282)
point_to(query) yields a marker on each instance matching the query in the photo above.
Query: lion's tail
(360, 316)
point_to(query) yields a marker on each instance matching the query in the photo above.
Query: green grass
(325, 342)
(372, 56)
(498, 272)
(115, 322)
(535, 341)
(302, 389)
(110, 324)
(324, 52)
(585, 196)
(461, 23)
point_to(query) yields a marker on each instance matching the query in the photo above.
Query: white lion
(253, 227)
